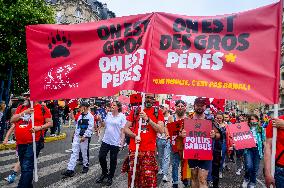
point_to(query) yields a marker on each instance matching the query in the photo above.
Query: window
(78, 13)
(282, 76)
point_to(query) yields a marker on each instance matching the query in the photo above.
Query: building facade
(79, 11)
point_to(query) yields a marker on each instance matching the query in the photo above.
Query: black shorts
(205, 165)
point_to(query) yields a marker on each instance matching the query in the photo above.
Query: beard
(148, 104)
(180, 113)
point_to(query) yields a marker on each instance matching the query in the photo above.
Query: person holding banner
(164, 145)
(23, 133)
(83, 132)
(278, 179)
(152, 123)
(200, 168)
(255, 154)
(177, 150)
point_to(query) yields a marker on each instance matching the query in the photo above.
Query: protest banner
(198, 143)
(210, 56)
(174, 128)
(241, 135)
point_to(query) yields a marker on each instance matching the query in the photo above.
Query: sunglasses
(180, 106)
(149, 97)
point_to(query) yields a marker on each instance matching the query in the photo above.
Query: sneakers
(85, 170)
(245, 184)
(11, 178)
(251, 186)
(220, 175)
(175, 185)
(109, 181)
(165, 178)
(101, 178)
(239, 171)
(210, 184)
(160, 172)
(68, 173)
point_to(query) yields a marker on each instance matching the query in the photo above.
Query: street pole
(34, 143)
(274, 138)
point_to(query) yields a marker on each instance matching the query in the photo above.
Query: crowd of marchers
(155, 154)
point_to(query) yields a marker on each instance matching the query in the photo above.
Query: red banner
(174, 129)
(198, 143)
(241, 136)
(217, 56)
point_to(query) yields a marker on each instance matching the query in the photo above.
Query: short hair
(200, 100)
(119, 106)
(180, 101)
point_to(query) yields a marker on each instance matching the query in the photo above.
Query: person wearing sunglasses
(152, 123)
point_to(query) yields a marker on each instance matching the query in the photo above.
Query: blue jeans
(252, 160)
(175, 166)
(164, 151)
(279, 177)
(224, 154)
(26, 158)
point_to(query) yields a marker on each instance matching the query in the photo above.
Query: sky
(183, 7)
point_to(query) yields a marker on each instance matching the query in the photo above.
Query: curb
(46, 140)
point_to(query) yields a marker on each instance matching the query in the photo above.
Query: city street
(54, 158)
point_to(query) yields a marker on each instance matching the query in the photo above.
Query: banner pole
(137, 145)
(274, 138)
(34, 144)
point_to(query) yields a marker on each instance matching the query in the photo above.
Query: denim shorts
(205, 165)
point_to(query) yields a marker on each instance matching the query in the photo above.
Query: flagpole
(137, 144)
(274, 138)
(34, 143)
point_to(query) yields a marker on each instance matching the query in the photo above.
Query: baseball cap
(86, 104)
(200, 100)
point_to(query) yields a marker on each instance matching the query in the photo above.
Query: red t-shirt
(22, 128)
(148, 134)
(279, 142)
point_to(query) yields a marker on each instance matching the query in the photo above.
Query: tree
(14, 16)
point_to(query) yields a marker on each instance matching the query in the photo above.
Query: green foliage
(14, 16)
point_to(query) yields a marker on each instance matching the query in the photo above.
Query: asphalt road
(55, 156)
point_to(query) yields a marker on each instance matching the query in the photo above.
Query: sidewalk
(46, 140)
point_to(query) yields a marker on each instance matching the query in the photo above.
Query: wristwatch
(147, 121)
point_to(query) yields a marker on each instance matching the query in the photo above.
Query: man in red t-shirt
(278, 180)
(152, 123)
(23, 133)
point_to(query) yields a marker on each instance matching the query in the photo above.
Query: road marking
(7, 151)
(97, 146)
(42, 172)
(260, 182)
(8, 157)
(78, 180)
(41, 159)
